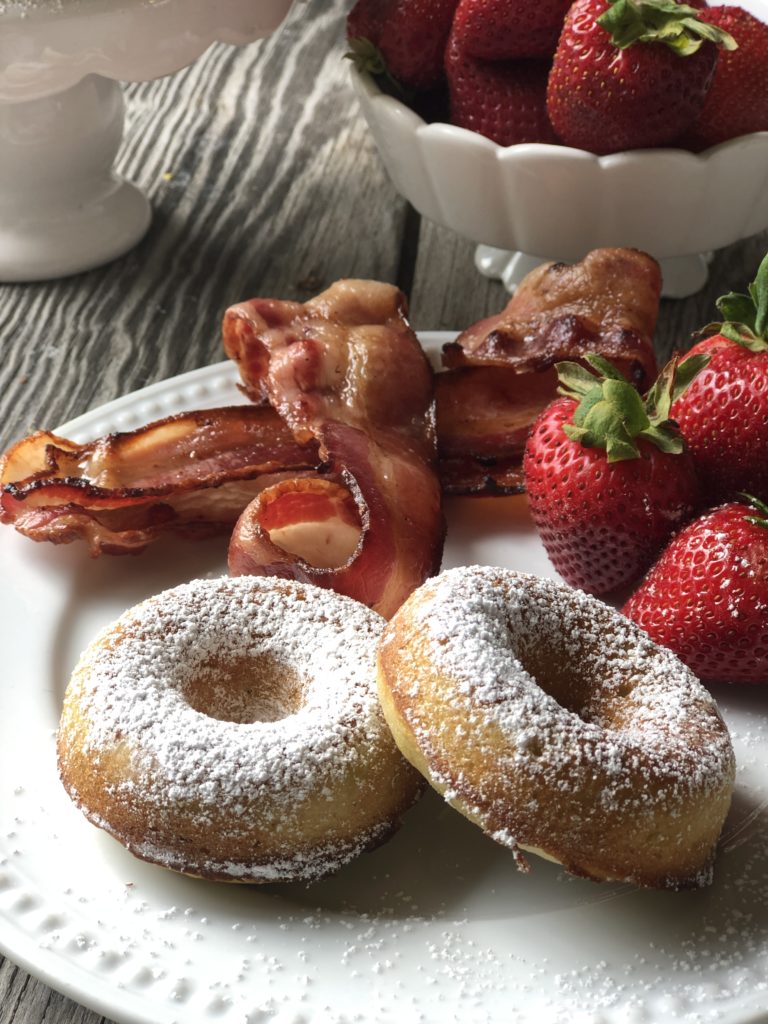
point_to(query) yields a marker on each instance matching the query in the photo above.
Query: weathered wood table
(264, 181)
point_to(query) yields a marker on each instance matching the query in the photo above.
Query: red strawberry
(404, 38)
(505, 101)
(707, 596)
(737, 103)
(630, 73)
(606, 474)
(723, 415)
(507, 29)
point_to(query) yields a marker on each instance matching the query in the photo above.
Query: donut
(558, 727)
(231, 729)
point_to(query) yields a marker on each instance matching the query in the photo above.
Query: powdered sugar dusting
(134, 688)
(631, 732)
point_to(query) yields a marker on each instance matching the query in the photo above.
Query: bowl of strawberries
(544, 130)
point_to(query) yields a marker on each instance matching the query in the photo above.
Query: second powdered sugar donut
(555, 724)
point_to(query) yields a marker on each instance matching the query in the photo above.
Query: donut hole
(569, 677)
(246, 690)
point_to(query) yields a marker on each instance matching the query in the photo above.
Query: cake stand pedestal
(63, 209)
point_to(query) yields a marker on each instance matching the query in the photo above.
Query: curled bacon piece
(500, 369)
(191, 474)
(345, 369)
(353, 538)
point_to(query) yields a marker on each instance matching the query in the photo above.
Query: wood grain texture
(263, 180)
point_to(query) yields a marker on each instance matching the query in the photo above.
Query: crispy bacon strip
(192, 474)
(500, 370)
(347, 370)
(607, 303)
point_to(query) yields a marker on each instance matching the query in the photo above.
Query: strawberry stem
(745, 317)
(369, 60)
(611, 413)
(673, 24)
(760, 506)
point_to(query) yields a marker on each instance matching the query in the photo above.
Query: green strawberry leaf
(667, 439)
(612, 415)
(745, 317)
(628, 404)
(606, 429)
(575, 380)
(577, 434)
(758, 291)
(672, 24)
(737, 308)
(604, 367)
(619, 450)
(670, 385)
(585, 406)
(687, 370)
(659, 399)
(742, 335)
(368, 59)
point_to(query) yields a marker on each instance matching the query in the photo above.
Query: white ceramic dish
(531, 202)
(436, 926)
(62, 208)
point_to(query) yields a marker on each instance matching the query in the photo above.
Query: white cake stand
(62, 207)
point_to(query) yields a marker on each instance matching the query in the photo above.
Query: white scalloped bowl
(549, 201)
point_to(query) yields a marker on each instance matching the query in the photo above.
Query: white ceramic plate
(436, 926)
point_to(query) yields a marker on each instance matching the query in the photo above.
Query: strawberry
(630, 73)
(509, 29)
(505, 101)
(723, 415)
(607, 476)
(706, 598)
(737, 102)
(403, 39)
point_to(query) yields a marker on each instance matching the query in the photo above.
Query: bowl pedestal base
(682, 275)
(62, 208)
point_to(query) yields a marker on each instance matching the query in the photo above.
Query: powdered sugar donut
(230, 728)
(557, 726)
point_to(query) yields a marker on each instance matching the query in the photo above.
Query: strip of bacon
(500, 370)
(345, 369)
(607, 303)
(192, 474)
